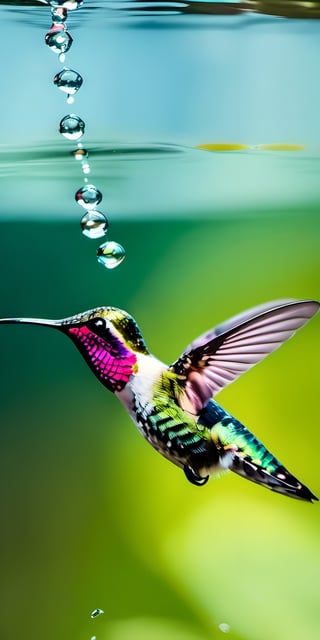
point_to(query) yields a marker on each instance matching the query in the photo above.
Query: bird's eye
(98, 325)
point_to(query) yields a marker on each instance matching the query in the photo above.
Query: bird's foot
(194, 477)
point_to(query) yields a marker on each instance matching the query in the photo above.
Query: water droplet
(80, 154)
(70, 99)
(58, 40)
(94, 638)
(224, 627)
(59, 14)
(88, 196)
(72, 127)
(68, 81)
(62, 57)
(70, 5)
(94, 224)
(86, 168)
(111, 254)
(96, 612)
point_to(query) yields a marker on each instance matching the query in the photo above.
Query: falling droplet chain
(94, 224)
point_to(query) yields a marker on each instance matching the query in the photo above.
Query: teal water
(155, 87)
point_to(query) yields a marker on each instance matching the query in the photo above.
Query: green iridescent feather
(231, 432)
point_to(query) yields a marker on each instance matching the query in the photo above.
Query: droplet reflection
(58, 40)
(94, 224)
(68, 81)
(59, 14)
(89, 196)
(72, 127)
(111, 254)
(70, 5)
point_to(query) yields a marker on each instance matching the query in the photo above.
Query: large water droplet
(59, 14)
(96, 612)
(72, 127)
(68, 81)
(111, 254)
(94, 224)
(58, 39)
(71, 5)
(88, 196)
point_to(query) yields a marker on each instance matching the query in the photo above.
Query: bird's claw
(194, 477)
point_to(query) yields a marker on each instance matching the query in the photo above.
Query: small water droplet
(72, 127)
(62, 57)
(58, 40)
(224, 627)
(94, 638)
(80, 154)
(70, 99)
(96, 612)
(68, 81)
(88, 196)
(111, 254)
(94, 224)
(59, 14)
(70, 5)
(86, 168)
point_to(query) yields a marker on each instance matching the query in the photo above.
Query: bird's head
(108, 338)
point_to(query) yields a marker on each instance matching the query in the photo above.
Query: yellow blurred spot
(236, 146)
(222, 146)
(281, 147)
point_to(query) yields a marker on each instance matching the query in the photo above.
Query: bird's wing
(221, 355)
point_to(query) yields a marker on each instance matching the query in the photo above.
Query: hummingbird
(173, 406)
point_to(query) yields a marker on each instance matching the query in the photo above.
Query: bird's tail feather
(280, 481)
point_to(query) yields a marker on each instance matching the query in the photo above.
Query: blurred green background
(92, 516)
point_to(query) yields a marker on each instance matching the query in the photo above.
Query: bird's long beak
(56, 324)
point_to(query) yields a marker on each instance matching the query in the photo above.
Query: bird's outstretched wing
(221, 355)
